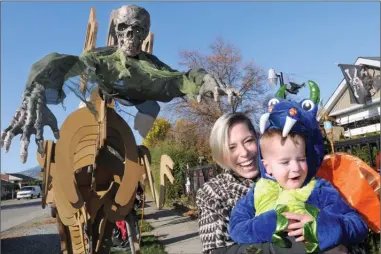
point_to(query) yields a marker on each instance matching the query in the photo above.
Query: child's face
(286, 161)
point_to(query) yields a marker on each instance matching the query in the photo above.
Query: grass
(149, 245)
(146, 227)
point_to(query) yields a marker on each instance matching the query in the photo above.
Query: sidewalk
(177, 233)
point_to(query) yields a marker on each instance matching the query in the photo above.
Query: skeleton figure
(125, 73)
(355, 81)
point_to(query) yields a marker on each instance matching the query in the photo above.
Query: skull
(132, 27)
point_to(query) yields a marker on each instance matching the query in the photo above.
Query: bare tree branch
(225, 62)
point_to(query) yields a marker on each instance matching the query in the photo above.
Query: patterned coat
(215, 201)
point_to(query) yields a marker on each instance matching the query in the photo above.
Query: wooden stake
(90, 42)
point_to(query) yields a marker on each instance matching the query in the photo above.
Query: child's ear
(267, 166)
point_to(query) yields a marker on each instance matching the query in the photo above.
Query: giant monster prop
(124, 73)
(91, 173)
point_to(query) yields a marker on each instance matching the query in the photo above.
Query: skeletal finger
(236, 93)
(3, 135)
(50, 119)
(216, 94)
(198, 98)
(13, 129)
(8, 140)
(230, 96)
(12, 125)
(33, 103)
(40, 147)
(201, 92)
(38, 126)
(40, 140)
(24, 144)
(220, 83)
(17, 122)
(56, 134)
(14, 120)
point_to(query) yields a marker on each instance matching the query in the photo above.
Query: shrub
(181, 157)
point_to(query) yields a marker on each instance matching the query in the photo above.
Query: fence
(370, 144)
(196, 177)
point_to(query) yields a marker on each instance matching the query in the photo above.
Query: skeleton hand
(29, 119)
(217, 88)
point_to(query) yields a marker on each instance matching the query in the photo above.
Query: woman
(233, 142)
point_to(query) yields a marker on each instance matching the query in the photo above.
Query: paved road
(16, 212)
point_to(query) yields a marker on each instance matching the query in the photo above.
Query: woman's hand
(296, 223)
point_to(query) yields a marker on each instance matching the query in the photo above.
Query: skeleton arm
(199, 82)
(46, 76)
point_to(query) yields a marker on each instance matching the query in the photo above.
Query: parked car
(29, 192)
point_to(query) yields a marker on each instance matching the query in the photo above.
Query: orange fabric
(357, 182)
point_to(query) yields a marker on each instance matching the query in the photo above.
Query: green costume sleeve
(269, 195)
(310, 230)
(281, 226)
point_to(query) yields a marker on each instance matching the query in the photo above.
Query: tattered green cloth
(144, 75)
(270, 195)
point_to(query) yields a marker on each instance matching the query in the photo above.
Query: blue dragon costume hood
(296, 117)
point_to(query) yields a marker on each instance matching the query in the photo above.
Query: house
(8, 189)
(23, 180)
(356, 119)
(4, 177)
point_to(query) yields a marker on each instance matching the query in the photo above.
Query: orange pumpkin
(357, 182)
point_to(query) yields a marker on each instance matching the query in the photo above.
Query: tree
(224, 62)
(158, 132)
(185, 132)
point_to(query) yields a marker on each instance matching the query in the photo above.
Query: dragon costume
(258, 216)
(125, 73)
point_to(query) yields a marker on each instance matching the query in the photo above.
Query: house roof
(376, 58)
(5, 183)
(23, 177)
(340, 89)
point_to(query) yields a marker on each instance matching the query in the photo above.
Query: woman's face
(242, 157)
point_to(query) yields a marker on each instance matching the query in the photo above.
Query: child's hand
(296, 223)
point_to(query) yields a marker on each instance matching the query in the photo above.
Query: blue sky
(302, 39)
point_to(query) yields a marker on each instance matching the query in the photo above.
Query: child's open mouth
(296, 178)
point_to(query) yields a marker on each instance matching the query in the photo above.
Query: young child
(289, 199)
